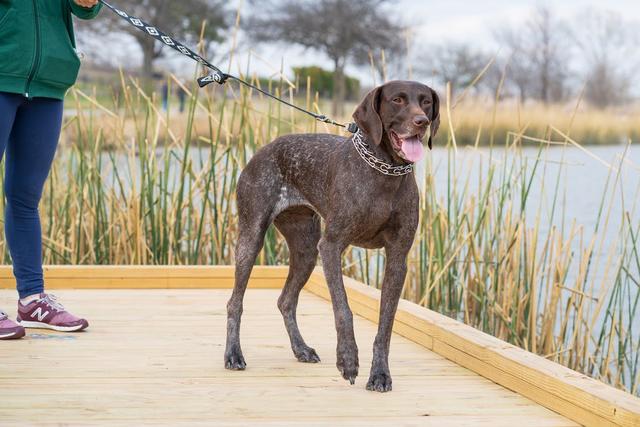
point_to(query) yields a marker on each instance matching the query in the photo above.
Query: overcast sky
(472, 21)
(432, 22)
(437, 21)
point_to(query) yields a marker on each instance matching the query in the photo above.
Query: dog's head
(398, 114)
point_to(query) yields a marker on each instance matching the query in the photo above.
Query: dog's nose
(421, 120)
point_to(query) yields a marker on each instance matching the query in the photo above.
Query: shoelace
(52, 301)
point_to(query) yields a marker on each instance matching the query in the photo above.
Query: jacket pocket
(14, 48)
(59, 63)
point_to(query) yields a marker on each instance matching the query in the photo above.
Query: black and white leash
(216, 75)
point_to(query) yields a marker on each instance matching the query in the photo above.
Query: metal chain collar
(371, 159)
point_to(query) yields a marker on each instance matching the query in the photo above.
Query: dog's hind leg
(301, 228)
(251, 231)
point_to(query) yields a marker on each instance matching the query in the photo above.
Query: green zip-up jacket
(37, 46)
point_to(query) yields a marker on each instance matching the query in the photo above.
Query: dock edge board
(567, 392)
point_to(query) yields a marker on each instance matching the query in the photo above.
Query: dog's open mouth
(408, 147)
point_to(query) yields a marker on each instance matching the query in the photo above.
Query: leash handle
(216, 75)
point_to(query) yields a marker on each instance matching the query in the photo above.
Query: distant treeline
(322, 83)
(543, 57)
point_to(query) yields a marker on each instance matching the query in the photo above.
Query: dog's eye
(426, 102)
(398, 100)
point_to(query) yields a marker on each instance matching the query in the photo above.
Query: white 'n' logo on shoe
(39, 314)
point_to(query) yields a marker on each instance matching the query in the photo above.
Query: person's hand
(86, 3)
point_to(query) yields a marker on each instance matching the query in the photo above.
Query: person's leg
(32, 145)
(30, 151)
(9, 104)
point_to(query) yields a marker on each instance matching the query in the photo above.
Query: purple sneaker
(46, 312)
(9, 330)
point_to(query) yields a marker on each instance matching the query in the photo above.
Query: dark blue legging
(29, 132)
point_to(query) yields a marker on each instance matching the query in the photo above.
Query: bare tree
(608, 46)
(537, 54)
(344, 30)
(453, 62)
(182, 19)
(516, 62)
(550, 55)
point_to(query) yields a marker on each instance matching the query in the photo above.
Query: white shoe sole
(7, 335)
(39, 325)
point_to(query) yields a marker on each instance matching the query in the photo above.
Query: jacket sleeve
(84, 12)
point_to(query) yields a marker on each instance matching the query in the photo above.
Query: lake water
(583, 176)
(610, 173)
(583, 179)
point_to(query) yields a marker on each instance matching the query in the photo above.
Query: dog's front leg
(394, 275)
(347, 350)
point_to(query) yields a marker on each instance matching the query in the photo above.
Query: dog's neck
(383, 151)
(378, 157)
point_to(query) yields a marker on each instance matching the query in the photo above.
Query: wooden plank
(155, 356)
(567, 392)
(545, 382)
(91, 271)
(150, 277)
(317, 285)
(426, 420)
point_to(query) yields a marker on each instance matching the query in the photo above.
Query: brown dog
(364, 189)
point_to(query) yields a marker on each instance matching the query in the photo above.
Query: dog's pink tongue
(412, 149)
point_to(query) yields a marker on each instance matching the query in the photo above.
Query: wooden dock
(153, 354)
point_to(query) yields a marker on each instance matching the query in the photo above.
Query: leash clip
(215, 76)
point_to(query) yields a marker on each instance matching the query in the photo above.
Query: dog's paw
(306, 355)
(347, 364)
(380, 382)
(234, 360)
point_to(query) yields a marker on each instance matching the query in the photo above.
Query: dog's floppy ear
(435, 116)
(367, 118)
